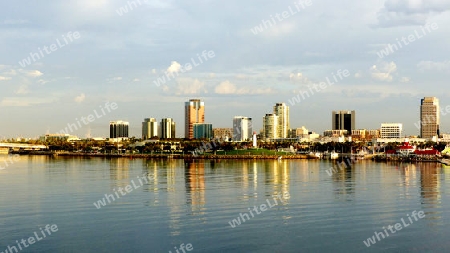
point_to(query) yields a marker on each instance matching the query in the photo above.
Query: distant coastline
(168, 156)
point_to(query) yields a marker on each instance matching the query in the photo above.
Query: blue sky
(120, 54)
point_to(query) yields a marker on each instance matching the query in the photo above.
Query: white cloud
(384, 71)
(430, 65)
(25, 101)
(136, 80)
(227, 87)
(189, 86)
(4, 78)
(409, 12)
(405, 79)
(174, 67)
(298, 78)
(32, 73)
(23, 89)
(80, 98)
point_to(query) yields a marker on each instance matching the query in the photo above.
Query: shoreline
(186, 156)
(218, 157)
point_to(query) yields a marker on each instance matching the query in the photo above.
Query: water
(193, 203)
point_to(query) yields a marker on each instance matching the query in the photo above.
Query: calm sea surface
(195, 202)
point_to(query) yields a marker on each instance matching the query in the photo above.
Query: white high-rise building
(167, 128)
(282, 112)
(242, 128)
(270, 126)
(149, 128)
(391, 130)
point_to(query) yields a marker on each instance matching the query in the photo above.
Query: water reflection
(194, 175)
(344, 180)
(276, 177)
(119, 171)
(430, 187)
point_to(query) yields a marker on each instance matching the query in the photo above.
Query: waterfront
(193, 203)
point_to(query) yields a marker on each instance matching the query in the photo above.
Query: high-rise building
(222, 133)
(167, 128)
(429, 117)
(118, 129)
(242, 128)
(202, 131)
(270, 126)
(343, 120)
(282, 111)
(194, 113)
(391, 130)
(149, 128)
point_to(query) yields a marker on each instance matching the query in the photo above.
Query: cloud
(23, 89)
(25, 101)
(431, 65)
(80, 98)
(4, 78)
(189, 86)
(298, 78)
(15, 22)
(227, 88)
(33, 73)
(384, 71)
(405, 79)
(174, 67)
(409, 12)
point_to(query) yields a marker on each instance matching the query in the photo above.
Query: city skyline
(233, 69)
(151, 124)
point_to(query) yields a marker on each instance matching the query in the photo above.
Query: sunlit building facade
(194, 113)
(429, 117)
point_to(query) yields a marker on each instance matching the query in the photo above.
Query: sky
(64, 60)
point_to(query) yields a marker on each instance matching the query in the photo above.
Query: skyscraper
(202, 131)
(270, 126)
(282, 112)
(118, 129)
(343, 120)
(242, 128)
(149, 128)
(429, 117)
(167, 128)
(194, 113)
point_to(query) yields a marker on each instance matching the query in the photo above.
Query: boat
(315, 155)
(445, 161)
(331, 155)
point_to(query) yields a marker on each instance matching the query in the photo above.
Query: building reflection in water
(409, 173)
(194, 175)
(119, 169)
(277, 176)
(344, 179)
(430, 187)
